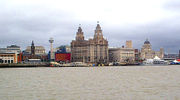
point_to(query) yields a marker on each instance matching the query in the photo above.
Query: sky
(22, 21)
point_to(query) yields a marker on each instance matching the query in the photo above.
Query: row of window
(6, 56)
(6, 61)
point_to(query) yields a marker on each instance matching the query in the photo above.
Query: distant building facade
(10, 54)
(63, 48)
(92, 51)
(11, 49)
(137, 56)
(62, 55)
(7, 58)
(14, 48)
(129, 44)
(3, 50)
(148, 53)
(34, 52)
(174, 56)
(38, 50)
(122, 55)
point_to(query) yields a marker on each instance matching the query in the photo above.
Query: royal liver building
(92, 51)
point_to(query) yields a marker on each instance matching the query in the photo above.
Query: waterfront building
(39, 50)
(10, 54)
(114, 54)
(137, 56)
(7, 58)
(123, 55)
(173, 56)
(14, 48)
(63, 48)
(3, 50)
(62, 56)
(148, 53)
(35, 50)
(93, 51)
(129, 44)
(11, 49)
(1, 61)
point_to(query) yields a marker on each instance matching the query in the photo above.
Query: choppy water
(91, 83)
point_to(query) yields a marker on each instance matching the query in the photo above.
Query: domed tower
(147, 45)
(146, 50)
(100, 46)
(79, 34)
(147, 42)
(98, 32)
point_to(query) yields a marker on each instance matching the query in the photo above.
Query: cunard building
(92, 51)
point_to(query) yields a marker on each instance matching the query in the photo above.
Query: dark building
(19, 58)
(1, 61)
(32, 49)
(62, 55)
(175, 56)
(179, 54)
(137, 55)
(32, 55)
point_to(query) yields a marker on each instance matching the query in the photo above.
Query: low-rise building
(3, 50)
(10, 54)
(14, 48)
(11, 49)
(34, 52)
(7, 58)
(122, 55)
(62, 54)
(174, 56)
(137, 56)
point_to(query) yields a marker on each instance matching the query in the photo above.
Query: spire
(32, 48)
(32, 43)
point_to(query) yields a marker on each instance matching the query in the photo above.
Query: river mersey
(91, 83)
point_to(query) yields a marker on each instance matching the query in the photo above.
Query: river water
(91, 83)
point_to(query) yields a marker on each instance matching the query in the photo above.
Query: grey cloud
(173, 5)
(164, 33)
(20, 25)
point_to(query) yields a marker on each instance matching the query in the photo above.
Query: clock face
(100, 41)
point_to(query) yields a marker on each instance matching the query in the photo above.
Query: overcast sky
(22, 21)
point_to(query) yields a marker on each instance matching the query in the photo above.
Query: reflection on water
(91, 83)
